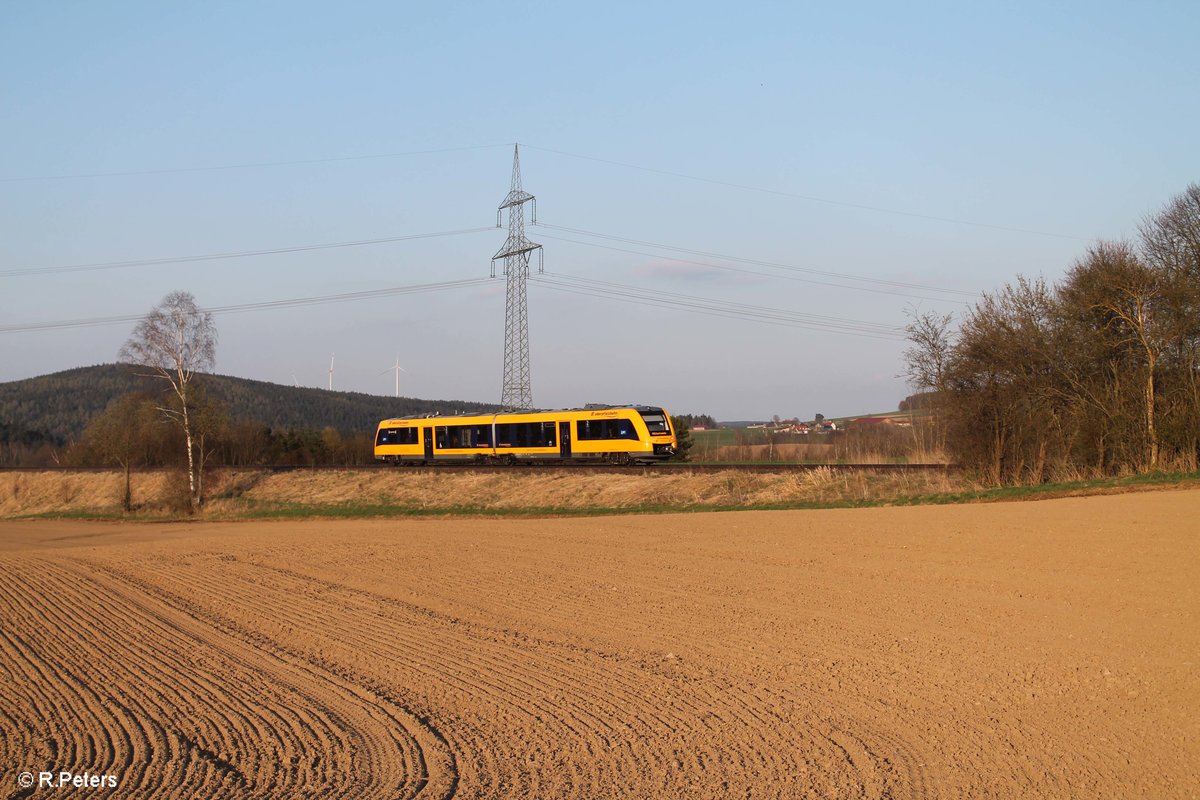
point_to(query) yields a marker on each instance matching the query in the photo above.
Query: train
(614, 434)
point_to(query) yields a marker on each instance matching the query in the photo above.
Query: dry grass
(233, 492)
(802, 452)
(23, 493)
(810, 453)
(514, 491)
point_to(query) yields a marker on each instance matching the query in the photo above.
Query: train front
(662, 433)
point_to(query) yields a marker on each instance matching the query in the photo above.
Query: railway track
(549, 466)
(663, 468)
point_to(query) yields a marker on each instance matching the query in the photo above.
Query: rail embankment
(251, 493)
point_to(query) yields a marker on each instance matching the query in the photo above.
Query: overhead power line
(54, 270)
(810, 198)
(892, 285)
(712, 307)
(744, 271)
(555, 282)
(247, 165)
(369, 294)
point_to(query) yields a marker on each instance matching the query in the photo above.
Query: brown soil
(1009, 650)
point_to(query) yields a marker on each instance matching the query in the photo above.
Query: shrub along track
(934, 652)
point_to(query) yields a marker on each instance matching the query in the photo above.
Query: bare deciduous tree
(1171, 238)
(210, 421)
(173, 342)
(119, 436)
(927, 363)
(1097, 374)
(932, 344)
(1128, 298)
(1171, 246)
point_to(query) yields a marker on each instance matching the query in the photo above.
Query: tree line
(697, 420)
(1095, 374)
(133, 432)
(54, 409)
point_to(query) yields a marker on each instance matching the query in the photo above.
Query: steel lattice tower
(516, 252)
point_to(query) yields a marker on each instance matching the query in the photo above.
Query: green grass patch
(110, 515)
(1048, 491)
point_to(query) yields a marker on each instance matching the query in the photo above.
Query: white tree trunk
(187, 434)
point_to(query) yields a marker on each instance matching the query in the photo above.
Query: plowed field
(1047, 649)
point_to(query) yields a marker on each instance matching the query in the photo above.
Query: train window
(506, 435)
(594, 429)
(397, 436)
(465, 436)
(439, 437)
(656, 421)
(483, 435)
(525, 434)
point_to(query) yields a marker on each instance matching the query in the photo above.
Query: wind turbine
(397, 369)
(331, 355)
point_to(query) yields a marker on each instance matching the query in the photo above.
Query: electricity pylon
(517, 392)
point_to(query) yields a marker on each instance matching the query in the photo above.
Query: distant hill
(59, 406)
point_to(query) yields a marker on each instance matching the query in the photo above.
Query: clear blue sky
(946, 145)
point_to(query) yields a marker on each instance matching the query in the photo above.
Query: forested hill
(59, 406)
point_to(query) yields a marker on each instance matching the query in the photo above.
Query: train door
(564, 439)
(427, 435)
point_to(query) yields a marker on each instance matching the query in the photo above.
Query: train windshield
(656, 421)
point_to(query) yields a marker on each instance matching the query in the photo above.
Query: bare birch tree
(173, 342)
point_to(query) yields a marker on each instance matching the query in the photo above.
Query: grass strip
(244, 509)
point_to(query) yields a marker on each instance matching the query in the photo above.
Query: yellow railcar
(616, 434)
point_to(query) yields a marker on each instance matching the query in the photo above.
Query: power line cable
(556, 282)
(810, 198)
(742, 270)
(249, 165)
(879, 326)
(758, 262)
(729, 304)
(715, 312)
(343, 297)
(102, 265)
(722, 308)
